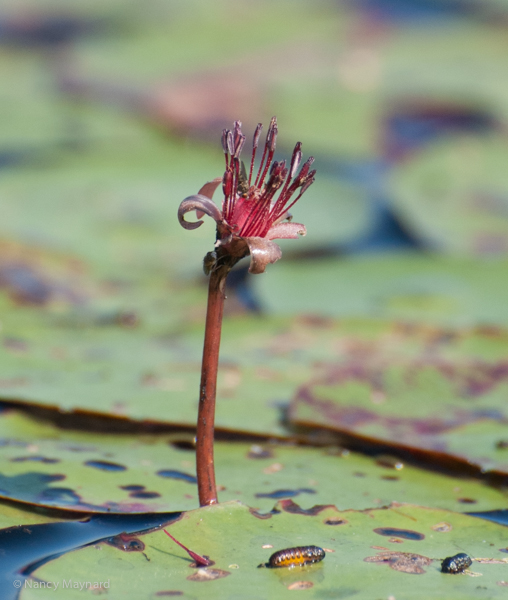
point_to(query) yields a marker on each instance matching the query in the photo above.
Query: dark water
(496, 516)
(24, 548)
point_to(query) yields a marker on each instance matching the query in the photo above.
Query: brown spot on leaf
(144, 494)
(35, 458)
(389, 462)
(489, 331)
(167, 384)
(104, 465)
(301, 585)
(278, 494)
(291, 507)
(442, 527)
(15, 345)
(406, 534)
(315, 321)
(406, 562)
(168, 593)
(467, 500)
(502, 583)
(335, 521)
(127, 319)
(208, 574)
(492, 561)
(471, 379)
(275, 468)
(257, 451)
(13, 382)
(32, 276)
(126, 543)
(259, 515)
(24, 284)
(188, 445)
(395, 540)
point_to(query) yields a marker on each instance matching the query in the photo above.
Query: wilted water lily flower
(251, 215)
(254, 212)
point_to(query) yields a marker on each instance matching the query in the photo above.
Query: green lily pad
(142, 375)
(29, 107)
(374, 553)
(13, 516)
(153, 46)
(251, 86)
(464, 61)
(122, 473)
(137, 374)
(414, 387)
(424, 288)
(113, 214)
(454, 195)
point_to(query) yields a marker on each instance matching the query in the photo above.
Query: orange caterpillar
(295, 557)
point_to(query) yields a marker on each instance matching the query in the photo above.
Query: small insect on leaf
(456, 564)
(201, 561)
(295, 557)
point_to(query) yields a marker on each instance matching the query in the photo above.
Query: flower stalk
(254, 212)
(205, 470)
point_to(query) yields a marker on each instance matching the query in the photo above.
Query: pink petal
(262, 253)
(202, 205)
(286, 231)
(208, 190)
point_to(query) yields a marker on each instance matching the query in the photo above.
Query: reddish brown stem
(206, 412)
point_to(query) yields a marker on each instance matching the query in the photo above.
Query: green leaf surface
(12, 515)
(461, 62)
(418, 388)
(144, 374)
(137, 374)
(140, 375)
(157, 43)
(308, 44)
(412, 287)
(454, 195)
(369, 554)
(126, 473)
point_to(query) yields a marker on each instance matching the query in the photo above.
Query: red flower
(251, 216)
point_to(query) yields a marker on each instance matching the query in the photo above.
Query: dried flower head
(254, 211)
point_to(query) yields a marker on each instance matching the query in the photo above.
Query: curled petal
(208, 190)
(262, 252)
(286, 231)
(202, 205)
